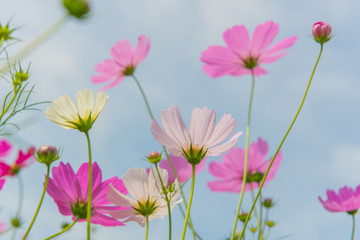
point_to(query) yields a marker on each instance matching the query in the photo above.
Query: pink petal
(24, 159)
(64, 176)
(164, 139)
(113, 84)
(109, 67)
(117, 198)
(2, 181)
(98, 218)
(202, 125)
(219, 149)
(122, 53)
(278, 47)
(228, 185)
(223, 129)
(237, 39)
(264, 34)
(5, 147)
(141, 50)
(104, 78)
(4, 169)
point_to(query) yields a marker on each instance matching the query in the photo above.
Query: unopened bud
(270, 224)
(154, 157)
(253, 229)
(15, 222)
(268, 203)
(47, 154)
(243, 216)
(321, 32)
(5, 33)
(77, 8)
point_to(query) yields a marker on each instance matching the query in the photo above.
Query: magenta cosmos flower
(230, 171)
(5, 148)
(347, 200)
(241, 55)
(23, 160)
(70, 193)
(202, 137)
(182, 167)
(2, 181)
(123, 63)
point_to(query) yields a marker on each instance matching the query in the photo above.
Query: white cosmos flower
(147, 197)
(203, 136)
(64, 112)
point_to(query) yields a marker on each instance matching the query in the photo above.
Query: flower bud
(154, 157)
(77, 8)
(268, 203)
(253, 229)
(20, 76)
(47, 154)
(270, 224)
(15, 222)
(243, 216)
(321, 32)
(5, 33)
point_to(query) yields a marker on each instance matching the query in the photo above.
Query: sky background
(322, 151)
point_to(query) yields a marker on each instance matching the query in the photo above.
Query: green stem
(147, 227)
(167, 155)
(282, 142)
(40, 202)
(88, 215)
(190, 201)
(64, 230)
(246, 155)
(36, 42)
(353, 230)
(163, 187)
(261, 220)
(8, 106)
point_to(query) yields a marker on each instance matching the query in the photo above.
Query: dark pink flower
(23, 160)
(182, 167)
(70, 193)
(321, 32)
(242, 55)
(347, 200)
(123, 63)
(231, 170)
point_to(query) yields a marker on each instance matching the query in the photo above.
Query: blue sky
(322, 151)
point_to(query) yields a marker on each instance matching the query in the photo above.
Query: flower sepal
(194, 155)
(79, 210)
(146, 208)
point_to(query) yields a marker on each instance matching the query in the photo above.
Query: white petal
(85, 101)
(223, 129)
(219, 149)
(101, 100)
(118, 198)
(136, 181)
(201, 125)
(162, 137)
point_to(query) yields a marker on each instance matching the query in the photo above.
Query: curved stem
(166, 198)
(64, 230)
(88, 215)
(246, 155)
(147, 228)
(167, 155)
(190, 201)
(21, 195)
(353, 230)
(36, 42)
(40, 202)
(281, 143)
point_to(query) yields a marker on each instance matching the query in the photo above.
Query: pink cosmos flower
(242, 55)
(123, 63)
(347, 200)
(182, 167)
(70, 193)
(23, 160)
(2, 181)
(230, 170)
(202, 135)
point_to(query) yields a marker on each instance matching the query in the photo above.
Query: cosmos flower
(241, 55)
(230, 171)
(182, 167)
(123, 63)
(5, 147)
(348, 200)
(147, 199)
(23, 160)
(321, 32)
(70, 193)
(202, 139)
(64, 112)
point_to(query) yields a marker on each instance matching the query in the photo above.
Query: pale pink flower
(231, 170)
(147, 198)
(23, 160)
(242, 55)
(202, 135)
(123, 63)
(70, 193)
(182, 167)
(347, 200)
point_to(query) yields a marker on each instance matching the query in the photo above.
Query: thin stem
(353, 230)
(36, 42)
(255, 211)
(40, 202)
(88, 215)
(21, 195)
(167, 155)
(190, 201)
(282, 142)
(147, 227)
(8, 106)
(246, 155)
(166, 198)
(261, 220)
(64, 230)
